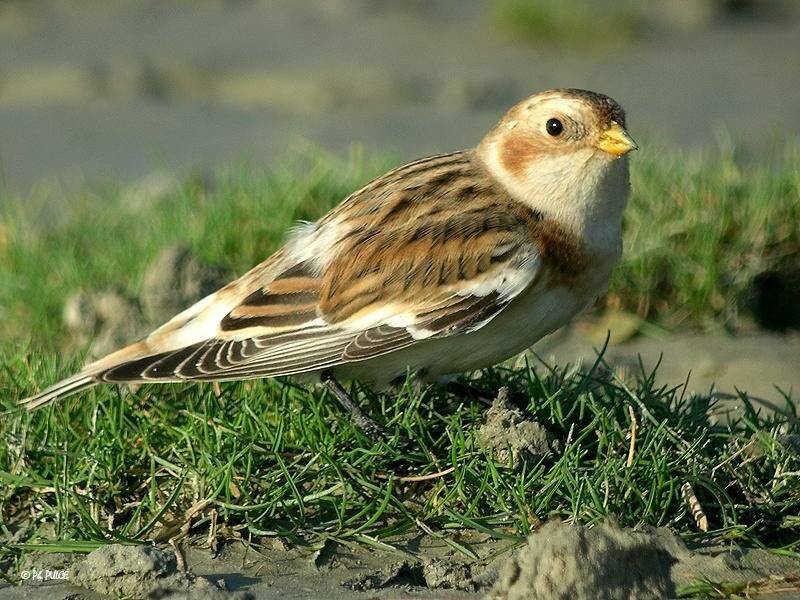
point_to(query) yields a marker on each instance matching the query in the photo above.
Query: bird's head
(559, 150)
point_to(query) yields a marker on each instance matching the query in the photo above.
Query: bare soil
(559, 561)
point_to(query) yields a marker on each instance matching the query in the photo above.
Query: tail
(62, 389)
(179, 337)
(89, 377)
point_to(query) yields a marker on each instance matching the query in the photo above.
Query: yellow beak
(616, 141)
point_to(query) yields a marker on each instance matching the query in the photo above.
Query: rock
(121, 323)
(447, 574)
(79, 313)
(175, 280)
(108, 319)
(606, 561)
(510, 437)
(45, 568)
(575, 563)
(142, 572)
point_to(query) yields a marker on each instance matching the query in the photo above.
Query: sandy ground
(602, 562)
(764, 365)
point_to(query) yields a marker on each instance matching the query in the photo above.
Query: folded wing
(401, 264)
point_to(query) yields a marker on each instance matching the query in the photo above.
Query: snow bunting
(446, 264)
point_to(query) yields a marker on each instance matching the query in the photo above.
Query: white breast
(534, 314)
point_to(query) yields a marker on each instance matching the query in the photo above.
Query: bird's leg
(464, 390)
(360, 418)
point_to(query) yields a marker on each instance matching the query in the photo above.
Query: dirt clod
(142, 572)
(403, 573)
(325, 558)
(573, 562)
(448, 574)
(174, 280)
(509, 436)
(434, 574)
(108, 319)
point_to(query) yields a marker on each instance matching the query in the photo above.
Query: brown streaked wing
(376, 341)
(289, 300)
(463, 315)
(439, 233)
(159, 366)
(422, 237)
(212, 360)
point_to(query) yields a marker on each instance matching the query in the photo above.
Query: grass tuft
(275, 459)
(569, 23)
(700, 230)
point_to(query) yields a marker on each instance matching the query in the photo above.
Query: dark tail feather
(66, 387)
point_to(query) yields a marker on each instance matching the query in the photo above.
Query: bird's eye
(554, 127)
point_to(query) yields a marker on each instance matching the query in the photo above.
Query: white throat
(584, 191)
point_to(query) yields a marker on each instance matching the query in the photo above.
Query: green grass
(699, 230)
(102, 242)
(575, 24)
(276, 459)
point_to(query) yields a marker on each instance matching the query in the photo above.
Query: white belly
(520, 325)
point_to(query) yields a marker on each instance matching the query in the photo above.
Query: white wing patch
(311, 243)
(197, 323)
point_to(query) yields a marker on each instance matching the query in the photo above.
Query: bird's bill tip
(616, 141)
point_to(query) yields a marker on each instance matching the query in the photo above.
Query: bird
(444, 265)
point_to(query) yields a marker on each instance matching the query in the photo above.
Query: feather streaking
(442, 265)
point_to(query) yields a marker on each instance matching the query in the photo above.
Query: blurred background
(95, 91)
